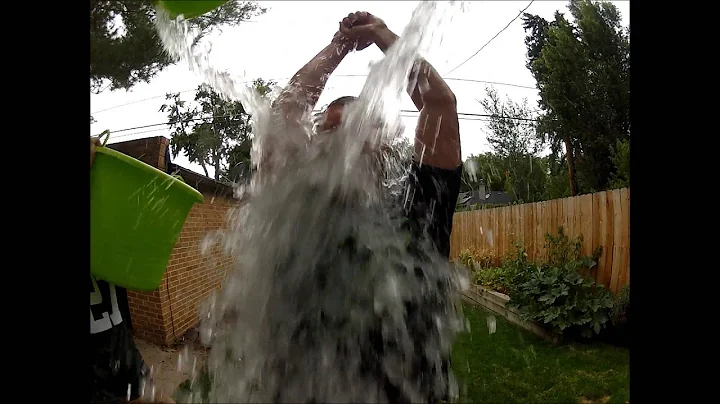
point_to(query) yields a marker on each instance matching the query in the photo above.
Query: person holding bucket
(117, 367)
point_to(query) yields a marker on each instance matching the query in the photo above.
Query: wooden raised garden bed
(496, 303)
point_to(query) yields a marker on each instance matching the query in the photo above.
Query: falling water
(317, 306)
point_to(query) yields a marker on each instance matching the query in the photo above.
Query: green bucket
(136, 214)
(189, 9)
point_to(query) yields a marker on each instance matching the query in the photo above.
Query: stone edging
(496, 302)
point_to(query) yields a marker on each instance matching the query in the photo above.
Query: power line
(165, 123)
(480, 119)
(498, 83)
(461, 116)
(457, 79)
(491, 39)
(160, 96)
(141, 132)
(135, 102)
(465, 114)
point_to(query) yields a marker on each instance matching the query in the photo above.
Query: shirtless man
(434, 184)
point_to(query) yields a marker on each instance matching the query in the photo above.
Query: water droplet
(491, 324)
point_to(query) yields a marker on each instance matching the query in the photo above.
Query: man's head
(331, 118)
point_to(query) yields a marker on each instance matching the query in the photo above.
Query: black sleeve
(430, 200)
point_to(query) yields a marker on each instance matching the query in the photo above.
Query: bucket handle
(105, 133)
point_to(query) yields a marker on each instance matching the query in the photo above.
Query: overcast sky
(275, 45)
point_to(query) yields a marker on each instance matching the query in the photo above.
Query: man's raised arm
(303, 91)
(437, 136)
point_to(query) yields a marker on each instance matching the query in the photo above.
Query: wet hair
(342, 101)
(319, 117)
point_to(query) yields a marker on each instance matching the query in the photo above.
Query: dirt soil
(164, 362)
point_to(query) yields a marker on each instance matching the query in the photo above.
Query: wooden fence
(602, 218)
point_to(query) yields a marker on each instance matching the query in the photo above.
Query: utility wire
(142, 100)
(479, 119)
(163, 95)
(336, 75)
(461, 116)
(456, 79)
(491, 39)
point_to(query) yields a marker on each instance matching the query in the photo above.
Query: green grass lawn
(514, 366)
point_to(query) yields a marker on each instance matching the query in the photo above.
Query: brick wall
(149, 150)
(146, 315)
(191, 276)
(166, 314)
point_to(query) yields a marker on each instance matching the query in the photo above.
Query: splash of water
(326, 303)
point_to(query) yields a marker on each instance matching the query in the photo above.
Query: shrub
(492, 278)
(621, 306)
(561, 298)
(476, 259)
(561, 250)
(466, 258)
(619, 332)
(480, 263)
(554, 293)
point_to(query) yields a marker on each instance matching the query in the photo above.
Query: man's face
(333, 118)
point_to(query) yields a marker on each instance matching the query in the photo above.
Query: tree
(483, 168)
(125, 48)
(516, 147)
(621, 160)
(214, 132)
(557, 184)
(582, 71)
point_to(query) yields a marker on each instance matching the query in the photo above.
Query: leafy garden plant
(552, 292)
(561, 298)
(556, 294)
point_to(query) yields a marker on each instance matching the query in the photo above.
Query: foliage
(621, 306)
(469, 208)
(493, 279)
(555, 293)
(619, 332)
(514, 165)
(558, 185)
(582, 69)
(213, 132)
(124, 46)
(484, 169)
(621, 161)
(508, 137)
(560, 297)
(552, 292)
(480, 264)
(516, 144)
(561, 249)
(477, 259)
